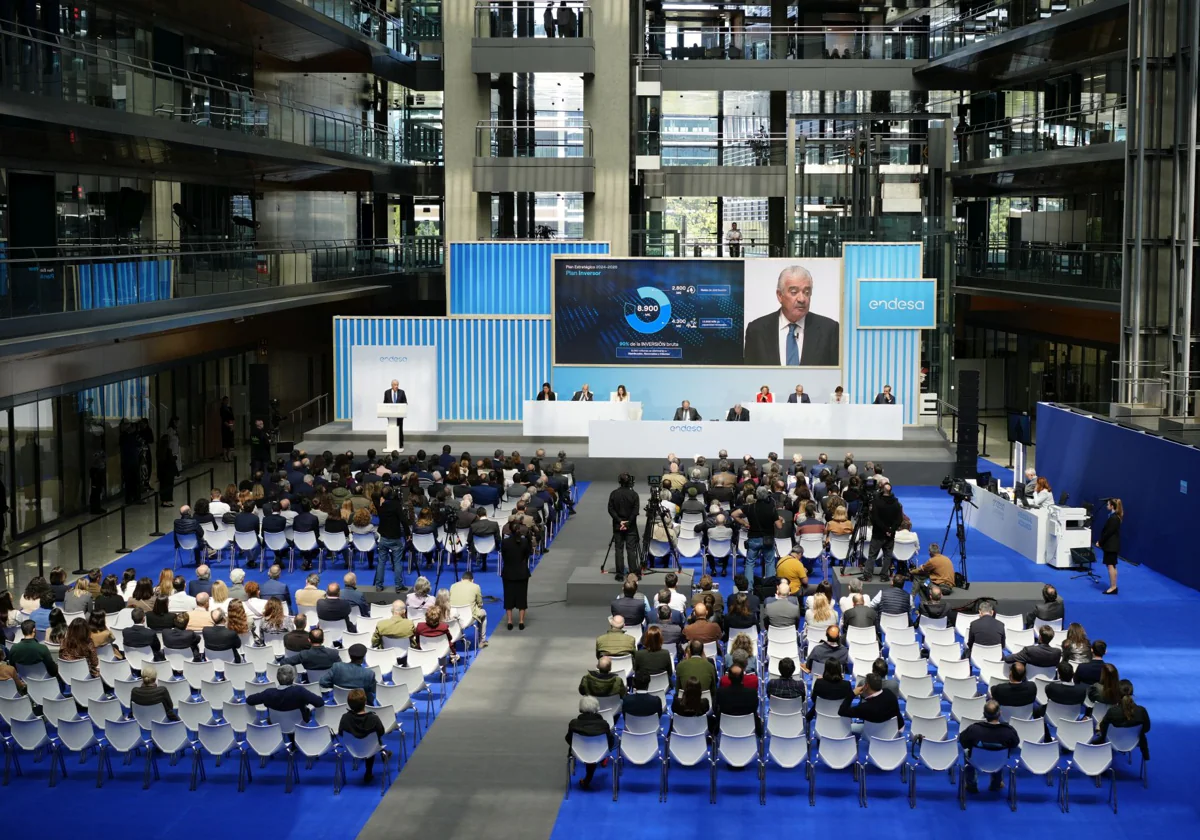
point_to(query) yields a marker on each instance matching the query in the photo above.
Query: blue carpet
(311, 811)
(1145, 651)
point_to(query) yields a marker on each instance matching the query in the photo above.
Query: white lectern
(393, 413)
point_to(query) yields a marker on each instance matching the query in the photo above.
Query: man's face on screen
(794, 296)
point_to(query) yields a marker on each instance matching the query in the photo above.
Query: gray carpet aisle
(492, 765)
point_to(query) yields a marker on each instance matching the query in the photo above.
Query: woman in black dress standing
(1110, 542)
(515, 551)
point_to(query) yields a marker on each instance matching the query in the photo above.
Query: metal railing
(1060, 129)
(953, 28)
(680, 149)
(1085, 265)
(654, 243)
(360, 16)
(316, 409)
(685, 42)
(528, 20)
(750, 246)
(85, 561)
(532, 138)
(825, 236)
(83, 72)
(73, 278)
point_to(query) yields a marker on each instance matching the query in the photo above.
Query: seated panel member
(737, 413)
(546, 393)
(839, 396)
(885, 398)
(798, 396)
(686, 412)
(622, 394)
(765, 395)
(584, 394)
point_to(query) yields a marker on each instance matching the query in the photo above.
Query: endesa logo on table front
(897, 304)
(686, 428)
(393, 359)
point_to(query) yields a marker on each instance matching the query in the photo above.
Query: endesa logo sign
(393, 359)
(687, 428)
(897, 304)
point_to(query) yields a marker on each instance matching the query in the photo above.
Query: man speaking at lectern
(395, 395)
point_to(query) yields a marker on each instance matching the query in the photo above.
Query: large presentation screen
(710, 312)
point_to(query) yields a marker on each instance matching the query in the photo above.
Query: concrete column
(162, 222)
(606, 106)
(467, 215)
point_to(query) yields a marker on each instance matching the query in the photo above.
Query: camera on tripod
(959, 488)
(655, 481)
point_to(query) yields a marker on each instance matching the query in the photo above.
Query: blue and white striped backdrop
(487, 367)
(878, 357)
(506, 278)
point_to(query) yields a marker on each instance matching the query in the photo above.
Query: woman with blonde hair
(839, 525)
(166, 581)
(741, 642)
(818, 617)
(219, 598)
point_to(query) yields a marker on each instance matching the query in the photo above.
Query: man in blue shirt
(352, 674)
(273, 587)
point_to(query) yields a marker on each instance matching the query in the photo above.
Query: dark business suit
(336, 609)
(395, 398)
(642, 705)
(633, 610)
(821, 341)
(222, 638)
(692, 414)
(174, 639)
(290, 698)
(275, 589)
(885, 399)
(737, 700)
(189, 526)
(1053, 611)
(733, 415)
(1043, 656)
(803, 398)
(1088, 673)
(351, 595)
(882, 707)
(195, 587)
(985, 630)
(141, 636)
(580, 396)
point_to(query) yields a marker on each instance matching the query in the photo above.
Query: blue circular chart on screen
(659, 306)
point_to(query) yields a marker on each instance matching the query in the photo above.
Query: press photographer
(938, 571)
(623, 506)
(886, 516)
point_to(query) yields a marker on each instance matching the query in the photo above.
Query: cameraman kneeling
(937, 571)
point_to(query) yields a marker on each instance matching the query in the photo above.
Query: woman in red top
(765, 395)
(432, 628)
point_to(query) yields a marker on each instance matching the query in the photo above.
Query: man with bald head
(793, 335)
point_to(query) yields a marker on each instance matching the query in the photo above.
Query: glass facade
(49, 444)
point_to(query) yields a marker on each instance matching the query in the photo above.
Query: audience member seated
(435, 626)
(880, 668)
(1066, 690)
(138, 635)
(288, 697)
(615, 641)
(396, 626)
(987, 629)
(875, 704)
(936, 573)
(1075, 646)
(791, 569)
(77, 645)
(1043, 654)
(590, 722)
(202, 583)
(1051, 608)
(740, 617)
(819, 617)
(358, 722)
(352, 674)
(700, 628)
(782, 610)
(8, 672)
(708, 588)
(653, 659)
(180, 601)
(316, 657)
(237, 589)
(859, 614)
(671, 632)
(640, 702)
(150, 693)
(273, 587)
(1018, 691)
(932, 606)
(310, 593)
(696, 665)
(335, 608)
(689, 701)
(179, 637)
(989, 734)
(1108, 688)
(741, 652)
(352, 594)
(420, 599)
(847, 600)
(737, 698)
(630, 605)
(894, 599)
(741, 585)
(200, 616)
(829, 650)
(1126, 713)
(1088, 673)
(29, 651)
(110, 600)
(602, 682)
(785, 685)
(219, 637)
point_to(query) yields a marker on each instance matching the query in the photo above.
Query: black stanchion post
(235, 470)
(124, 549)
(157, 532)
(79, 536)
(41, 562)
(188, 492)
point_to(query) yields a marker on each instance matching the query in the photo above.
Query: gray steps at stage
(923, 457)
(587, 585)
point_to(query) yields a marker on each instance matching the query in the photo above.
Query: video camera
(959, 488)
(655, 481)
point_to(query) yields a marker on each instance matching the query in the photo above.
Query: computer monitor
(1019, 492)
(983, 479)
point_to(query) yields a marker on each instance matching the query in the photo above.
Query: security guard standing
(623, 505)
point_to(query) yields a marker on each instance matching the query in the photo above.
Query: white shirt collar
(784, 323)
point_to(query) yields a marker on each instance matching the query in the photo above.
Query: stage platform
(922, 457)
(587, 585)
(1012, 598)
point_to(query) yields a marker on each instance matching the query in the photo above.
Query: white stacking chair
(246, 544)
(1124, 740)
(277, 543)
(1056, 624)
(83, 690)
(219, 541)
(894, 621)
(933, 635)
(588, 749)
(938, 623)
(786, 721)
(688, 745)
(839, 548)
(170, 737)
(31, 735)
(217, 692)
(954, 669)
(987, 653)
(836, 753)
(363, 545)
(239, 716)
(1070, 733)
(912, 668)
(1061, 711)
(267, 741)
(861, 636)
(960, 687)
(333, 543)
(1030, 729)
(900, 636)
(812, 546)
(639, 746)
(737, 745)
(423, 545)
(79, 736)
(962, 624)
(1040, 759)
(886, 753)
(921, 686)
(932, 727)
(787, 752)
(718, 550)
(1093, 761)
(962, 708)
(830, 725)
(314, 743)
(1013, 624)
(1008, 713)
(197, 672)
(923, 706)
(185, 543)
(194, 712)
(56, 710)
(219, 740)
(985, 763)
(939, 756)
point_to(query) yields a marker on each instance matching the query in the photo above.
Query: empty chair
(954, 669)
(888, 754)
(1012, 624)
(917, 669)
(42, 689)
(939, 652)
(1007, 713)
(906, 650)
(900, 636)
(219, 740)
(15, 708)
(836, 753)
(934, 635)
(123, 689)
(194, 712)
(59, 709)
(688, 745)
(1069, 733)
(939, 756)
(314, 743)
(217, 692)
(196, 673)
(1093, 761)
(737, 745)
(30, 735)
(991, 653)
(265, 741)
(1032, 730)
(967, 707)
(932, 728)
(79, 736)
(238, 715)
(785, 724)
(956, 687)
(170, 737)
(1040, 759)
(639, 748)
(916, 686)
(831, 726)
(930, 706)
(1061, 711)
(787, 752)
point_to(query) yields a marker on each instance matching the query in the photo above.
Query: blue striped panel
(128, 398)
(506, 278)
(119, 284)
(487, 367)
(875, 358)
